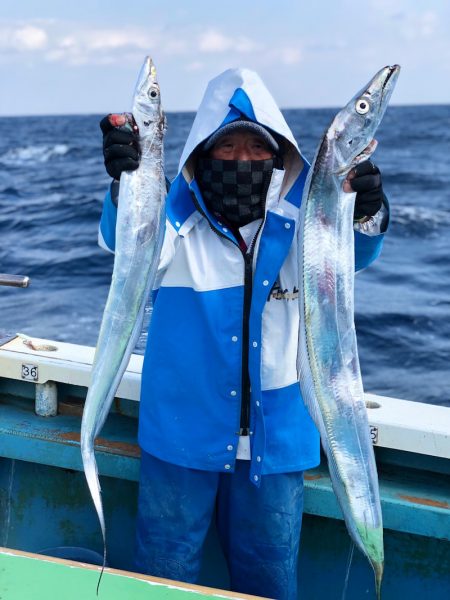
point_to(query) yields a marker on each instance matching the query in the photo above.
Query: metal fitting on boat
(14, 280)
(46, 399)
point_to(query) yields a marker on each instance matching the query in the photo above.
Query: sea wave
(418, 220)
(32, 154)
(9, 191)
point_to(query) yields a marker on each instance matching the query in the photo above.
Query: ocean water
(52, 185)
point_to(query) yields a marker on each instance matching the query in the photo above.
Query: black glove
(120, 147)
(367, 184)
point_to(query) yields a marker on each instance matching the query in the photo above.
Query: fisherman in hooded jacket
(222, 423)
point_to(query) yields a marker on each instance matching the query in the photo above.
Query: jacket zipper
(248, 286)
(245, 401)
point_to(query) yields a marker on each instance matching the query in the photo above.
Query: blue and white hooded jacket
(192, 374)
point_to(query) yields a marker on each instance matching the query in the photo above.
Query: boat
(49, 532)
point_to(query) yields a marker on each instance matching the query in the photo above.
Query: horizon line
(193, 111)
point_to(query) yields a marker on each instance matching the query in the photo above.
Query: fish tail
(91, 473)
(378, 570)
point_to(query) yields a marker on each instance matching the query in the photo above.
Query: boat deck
(28, 576)
(44, 502)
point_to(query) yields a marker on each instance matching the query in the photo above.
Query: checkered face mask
(235, 189)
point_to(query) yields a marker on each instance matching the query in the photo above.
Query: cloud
(23, 38)
(290, 55)
(214, 41)
(100, 46)
(194, 66)
(113, 39)
(330, 46)
(30, 38)
(422, 25)
(409, 21)
(174, 47)
(76, 43)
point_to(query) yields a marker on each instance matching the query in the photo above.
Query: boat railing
(47, 377)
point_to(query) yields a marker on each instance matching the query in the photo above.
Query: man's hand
(120, 144)
(365, 179)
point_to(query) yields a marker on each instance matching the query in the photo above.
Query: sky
(84, 56)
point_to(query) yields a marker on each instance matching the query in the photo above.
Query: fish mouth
(146, 74)
(392, 71)
(388, 85)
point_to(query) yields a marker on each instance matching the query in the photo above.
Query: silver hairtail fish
(139, 236)
(328, 364)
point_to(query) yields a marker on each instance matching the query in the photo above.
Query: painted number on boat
(374, 434)
(30, 372)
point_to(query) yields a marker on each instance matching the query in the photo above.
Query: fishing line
(349, 564)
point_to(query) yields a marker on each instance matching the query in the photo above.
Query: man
(222, 422)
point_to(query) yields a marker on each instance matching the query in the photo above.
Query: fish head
(352, 131)
(147, 109)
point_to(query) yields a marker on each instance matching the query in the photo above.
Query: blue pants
(259, 528)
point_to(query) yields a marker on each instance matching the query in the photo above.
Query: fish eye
(152, 93)
(362, 106)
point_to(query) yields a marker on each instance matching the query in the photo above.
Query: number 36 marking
(374, 434)
(30, 372)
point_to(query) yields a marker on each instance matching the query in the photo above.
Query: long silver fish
(328, 364)
(139, 235)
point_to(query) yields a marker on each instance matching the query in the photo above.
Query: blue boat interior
(45, 506)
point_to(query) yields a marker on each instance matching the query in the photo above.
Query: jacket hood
(234, 94)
